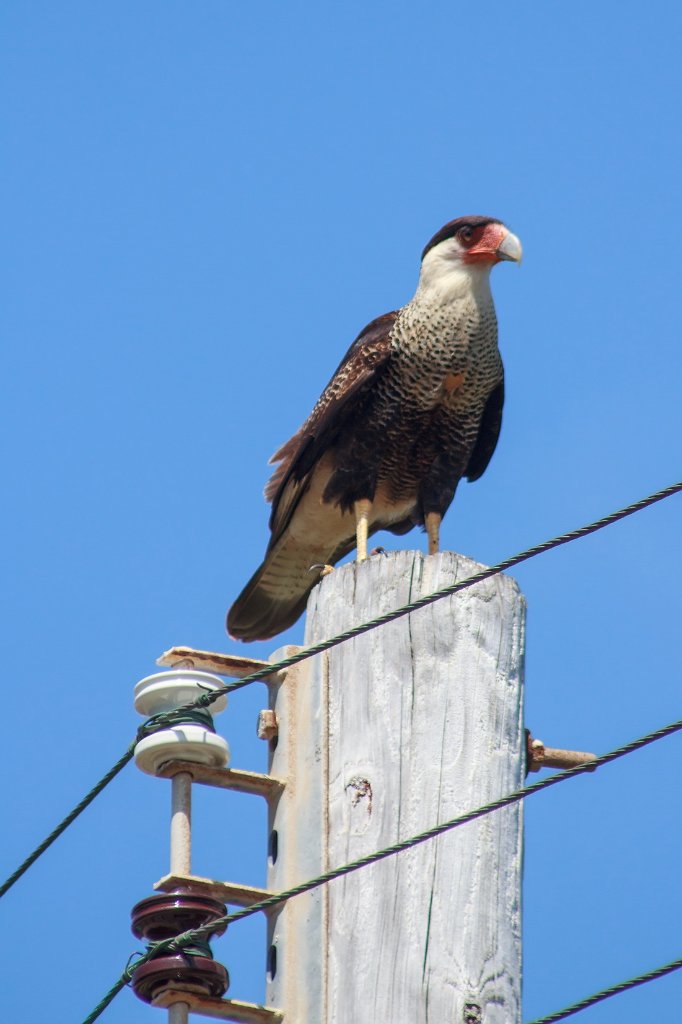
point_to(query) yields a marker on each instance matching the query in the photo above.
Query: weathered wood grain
(411, 724)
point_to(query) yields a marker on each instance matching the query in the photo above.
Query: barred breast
(446, 363)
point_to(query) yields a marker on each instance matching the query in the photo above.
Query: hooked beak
(510, 249)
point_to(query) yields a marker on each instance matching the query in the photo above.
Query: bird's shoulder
(372, 346)
(356, 372)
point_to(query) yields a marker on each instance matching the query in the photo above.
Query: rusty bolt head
(535, 753)
(267, 727)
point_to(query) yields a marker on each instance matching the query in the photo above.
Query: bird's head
(464, 251)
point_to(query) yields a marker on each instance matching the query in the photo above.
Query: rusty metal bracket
(231, 665)
(267, 726)
(539, 756)
(228, 892)
(225, 778)
(220, 1009)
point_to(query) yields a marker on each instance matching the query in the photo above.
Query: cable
(63, 825)
(196, 714)
(110, 996)
(553, 1018)
(167, 719)
(454, 588)
(205, 931)
(606, 993)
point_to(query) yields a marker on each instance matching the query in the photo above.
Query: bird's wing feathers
(488, 433)
(357, 372)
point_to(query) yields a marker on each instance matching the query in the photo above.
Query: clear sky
(203, 204)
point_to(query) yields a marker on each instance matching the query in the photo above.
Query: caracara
(414, 406)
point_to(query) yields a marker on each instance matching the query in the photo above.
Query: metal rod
(556, 758)
(181, 826)
(178, 1013)
(225, 778)
(221, 1009)
(539, 756)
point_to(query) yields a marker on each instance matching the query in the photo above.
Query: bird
(414, 406)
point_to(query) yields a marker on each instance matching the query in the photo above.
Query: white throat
(444, 280)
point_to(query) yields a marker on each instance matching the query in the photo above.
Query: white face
(446, 275)
(452, 248)
(461, 264)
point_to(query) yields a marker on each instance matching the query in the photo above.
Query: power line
(71, 817)
(454, 588)
(187, 938)
(606, 993)
(166, 719)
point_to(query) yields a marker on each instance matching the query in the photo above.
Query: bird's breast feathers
(445, 358)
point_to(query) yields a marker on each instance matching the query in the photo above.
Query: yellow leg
(362, 510)
(432, 521)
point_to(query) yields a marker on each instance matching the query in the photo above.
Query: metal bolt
(540, 756)
(267, 727)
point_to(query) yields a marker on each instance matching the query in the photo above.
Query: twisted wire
(64, 824)
(187, 938)
(207, 699)
(168, 719)
(606, 993)
(111, 994)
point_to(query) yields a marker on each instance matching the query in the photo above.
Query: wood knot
(362, 790)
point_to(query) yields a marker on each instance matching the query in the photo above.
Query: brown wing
(488, 433)
(357, 372)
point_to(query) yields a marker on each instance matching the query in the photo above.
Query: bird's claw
(323, 569)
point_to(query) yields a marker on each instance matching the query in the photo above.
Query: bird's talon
(323, 569)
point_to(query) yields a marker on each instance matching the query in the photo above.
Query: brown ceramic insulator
(164, 916)
(182, 972)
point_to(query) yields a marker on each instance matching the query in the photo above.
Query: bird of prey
(414, 406)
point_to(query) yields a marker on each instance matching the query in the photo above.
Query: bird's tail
(277, 593)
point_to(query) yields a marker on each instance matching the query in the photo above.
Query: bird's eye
(466, 234)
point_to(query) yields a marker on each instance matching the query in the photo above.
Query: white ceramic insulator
(165, 691)
(181, 743)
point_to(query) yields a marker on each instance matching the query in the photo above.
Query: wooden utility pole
(382, 737)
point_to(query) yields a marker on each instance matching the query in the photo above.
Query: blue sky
(204, 203)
